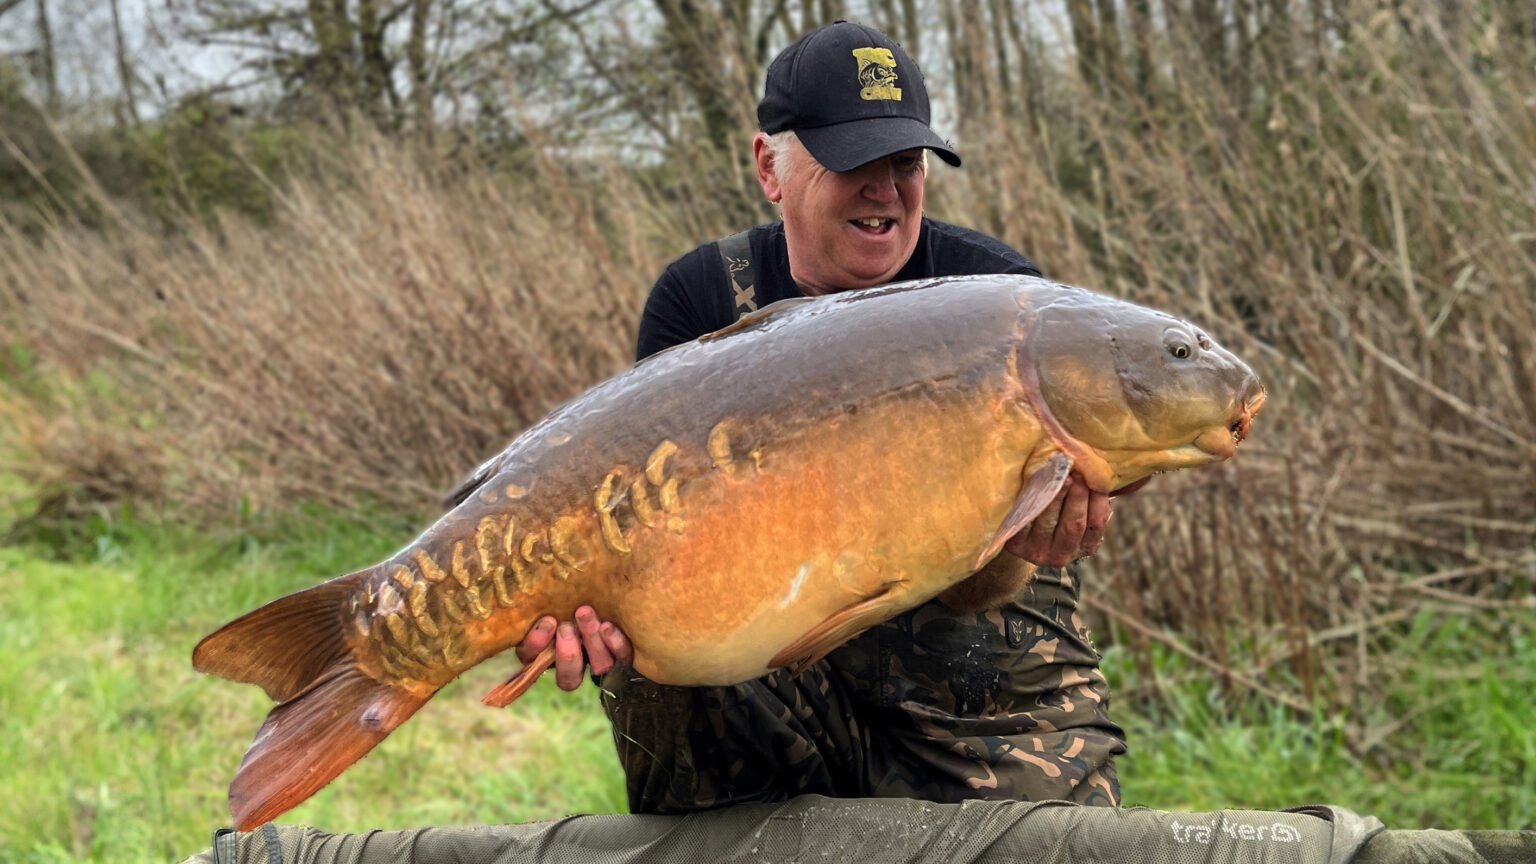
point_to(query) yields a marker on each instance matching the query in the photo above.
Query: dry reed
(1366, 242)
(402, 320)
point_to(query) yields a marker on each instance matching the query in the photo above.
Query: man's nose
(879, 181)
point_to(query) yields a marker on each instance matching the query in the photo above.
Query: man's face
(850, 230)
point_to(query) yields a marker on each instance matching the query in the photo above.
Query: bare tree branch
(595, 62)
(124, 68)
(416, 57)
(50, 73)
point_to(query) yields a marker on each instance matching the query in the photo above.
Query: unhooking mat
(812, 829)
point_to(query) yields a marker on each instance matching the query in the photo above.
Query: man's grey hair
(781, 148)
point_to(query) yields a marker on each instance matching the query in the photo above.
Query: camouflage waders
(933, 704)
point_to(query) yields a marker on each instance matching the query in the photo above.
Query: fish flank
(499, 586)
(478, 610)
(719, 447)
(566, 542)
(640, 500)
(656, 465)
(509, 537)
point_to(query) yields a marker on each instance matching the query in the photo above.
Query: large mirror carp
(744, 502)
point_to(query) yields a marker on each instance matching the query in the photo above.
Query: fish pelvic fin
(508, 691)
(1041, 487)
(839, 627)
(286, 645)
(309, 740)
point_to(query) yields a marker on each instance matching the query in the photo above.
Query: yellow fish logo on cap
(877, 72)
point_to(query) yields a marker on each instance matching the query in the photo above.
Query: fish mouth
(1221, 442)
(1244, 418)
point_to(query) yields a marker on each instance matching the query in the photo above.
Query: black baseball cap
(851, 95)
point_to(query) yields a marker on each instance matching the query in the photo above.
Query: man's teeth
(871, 222)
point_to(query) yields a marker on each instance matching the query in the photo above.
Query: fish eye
(1179, 340)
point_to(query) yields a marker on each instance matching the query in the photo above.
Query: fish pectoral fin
(839, 627)
(1040, 488)
(506, 693)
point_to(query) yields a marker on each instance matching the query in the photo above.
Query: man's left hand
(1070, 528)
(579, 645)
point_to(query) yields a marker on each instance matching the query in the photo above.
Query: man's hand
(605, 645)
(1070, 529)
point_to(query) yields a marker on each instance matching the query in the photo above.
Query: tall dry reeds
(1361, 232)
(1357, 222)
(403, 318)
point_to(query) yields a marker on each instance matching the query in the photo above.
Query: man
(990, 691)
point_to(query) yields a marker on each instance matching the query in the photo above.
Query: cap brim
(846, 146)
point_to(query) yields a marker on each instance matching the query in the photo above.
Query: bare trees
(667, 77)
(330, 56)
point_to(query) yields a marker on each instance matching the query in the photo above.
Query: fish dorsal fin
(1040, 489)
(751, 318)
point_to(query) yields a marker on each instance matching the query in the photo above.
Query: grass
(115, 750)
(1452, 745)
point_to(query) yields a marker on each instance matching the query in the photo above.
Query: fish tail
(286, 645)
(306, 742)
(332, 712)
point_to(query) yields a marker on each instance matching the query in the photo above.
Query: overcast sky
(83, 43)
(171, 66)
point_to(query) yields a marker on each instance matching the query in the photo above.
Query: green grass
(113, 749)
(1451, 745)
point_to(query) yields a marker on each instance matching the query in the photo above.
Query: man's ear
(767, 176)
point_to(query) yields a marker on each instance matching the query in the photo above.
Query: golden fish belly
(716, 561)
(876, 502)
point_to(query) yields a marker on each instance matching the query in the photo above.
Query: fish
(744, 502)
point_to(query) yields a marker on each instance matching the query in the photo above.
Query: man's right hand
(581, 644)
(1069, 529)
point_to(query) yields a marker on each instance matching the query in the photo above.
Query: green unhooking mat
(813, 829)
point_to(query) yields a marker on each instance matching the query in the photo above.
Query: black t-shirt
(694, 296)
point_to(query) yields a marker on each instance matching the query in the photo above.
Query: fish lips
(1221, 441)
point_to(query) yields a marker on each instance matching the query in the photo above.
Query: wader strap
(736, 255)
